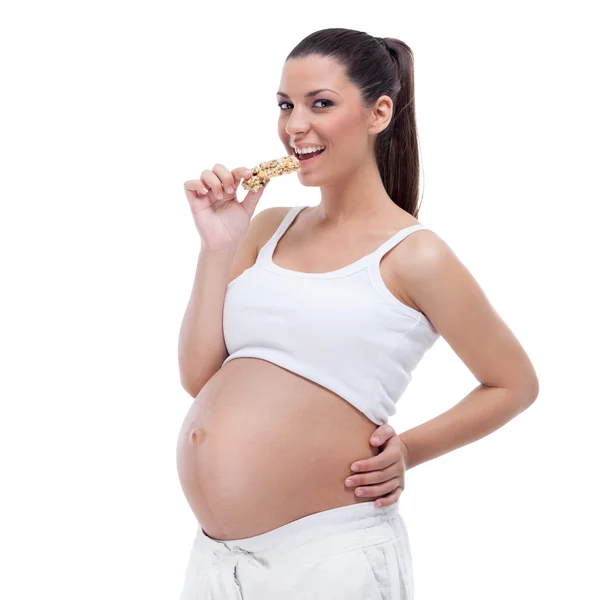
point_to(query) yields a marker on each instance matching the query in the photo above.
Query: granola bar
(262, 172)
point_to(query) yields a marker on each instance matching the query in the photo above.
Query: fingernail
(360, 492)
(375, 439)
(229, 190)
(220, 196)
(349, 482)
(355, 467)
(205, 190)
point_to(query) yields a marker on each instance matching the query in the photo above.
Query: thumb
(382, 434)
(251, 201)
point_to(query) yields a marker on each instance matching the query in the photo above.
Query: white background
(108, 108)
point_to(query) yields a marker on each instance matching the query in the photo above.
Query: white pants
(355, 552)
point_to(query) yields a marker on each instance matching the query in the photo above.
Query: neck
(358, 201)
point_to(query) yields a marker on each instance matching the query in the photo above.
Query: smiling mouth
(309, 155)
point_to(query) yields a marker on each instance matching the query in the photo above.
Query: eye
(329, 102)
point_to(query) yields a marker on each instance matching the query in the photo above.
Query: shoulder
(425, 256)
(261, 228)
(448, 294)
(273, 214)
(421, 257)
(435, 281)
(439, 285)
(424, 248)
(267, 221)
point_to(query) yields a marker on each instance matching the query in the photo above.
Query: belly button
(198, 435)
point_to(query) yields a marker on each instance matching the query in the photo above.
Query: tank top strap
(267, 249)
(394, 240)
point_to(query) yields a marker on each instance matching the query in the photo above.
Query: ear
(381, 115)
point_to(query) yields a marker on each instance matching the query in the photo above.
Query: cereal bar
(262, 173)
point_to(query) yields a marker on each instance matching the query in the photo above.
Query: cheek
(345, 130)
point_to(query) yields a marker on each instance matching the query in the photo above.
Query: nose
(297, 123)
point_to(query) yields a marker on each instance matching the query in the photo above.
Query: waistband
(310, 537)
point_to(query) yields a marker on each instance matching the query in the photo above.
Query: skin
(243, 473)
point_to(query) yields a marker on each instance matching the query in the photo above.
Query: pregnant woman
(302, 331)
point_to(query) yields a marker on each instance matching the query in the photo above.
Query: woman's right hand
(221, 220)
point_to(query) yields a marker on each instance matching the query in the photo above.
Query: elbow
(190, 386)
(536, 389)
(192, 391)
(529, 392)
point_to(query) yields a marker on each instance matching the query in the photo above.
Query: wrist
(405, 452)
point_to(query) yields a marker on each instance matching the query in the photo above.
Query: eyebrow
(309, 94)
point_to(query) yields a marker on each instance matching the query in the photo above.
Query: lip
(310, 161)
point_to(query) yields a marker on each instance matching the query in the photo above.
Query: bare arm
(201, 347)
(447, 293)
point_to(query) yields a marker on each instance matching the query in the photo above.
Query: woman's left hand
(381, 476)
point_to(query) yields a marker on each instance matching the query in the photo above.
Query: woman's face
(334, 119)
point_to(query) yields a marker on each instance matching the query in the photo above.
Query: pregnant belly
(261, 446)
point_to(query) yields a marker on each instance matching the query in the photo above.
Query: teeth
(308, 150)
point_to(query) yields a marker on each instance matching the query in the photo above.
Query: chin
(310, 183)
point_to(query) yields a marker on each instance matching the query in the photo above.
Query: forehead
(301, 75)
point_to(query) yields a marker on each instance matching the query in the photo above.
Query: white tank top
(343, 329)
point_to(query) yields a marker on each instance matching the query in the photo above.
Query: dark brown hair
(379, 70)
